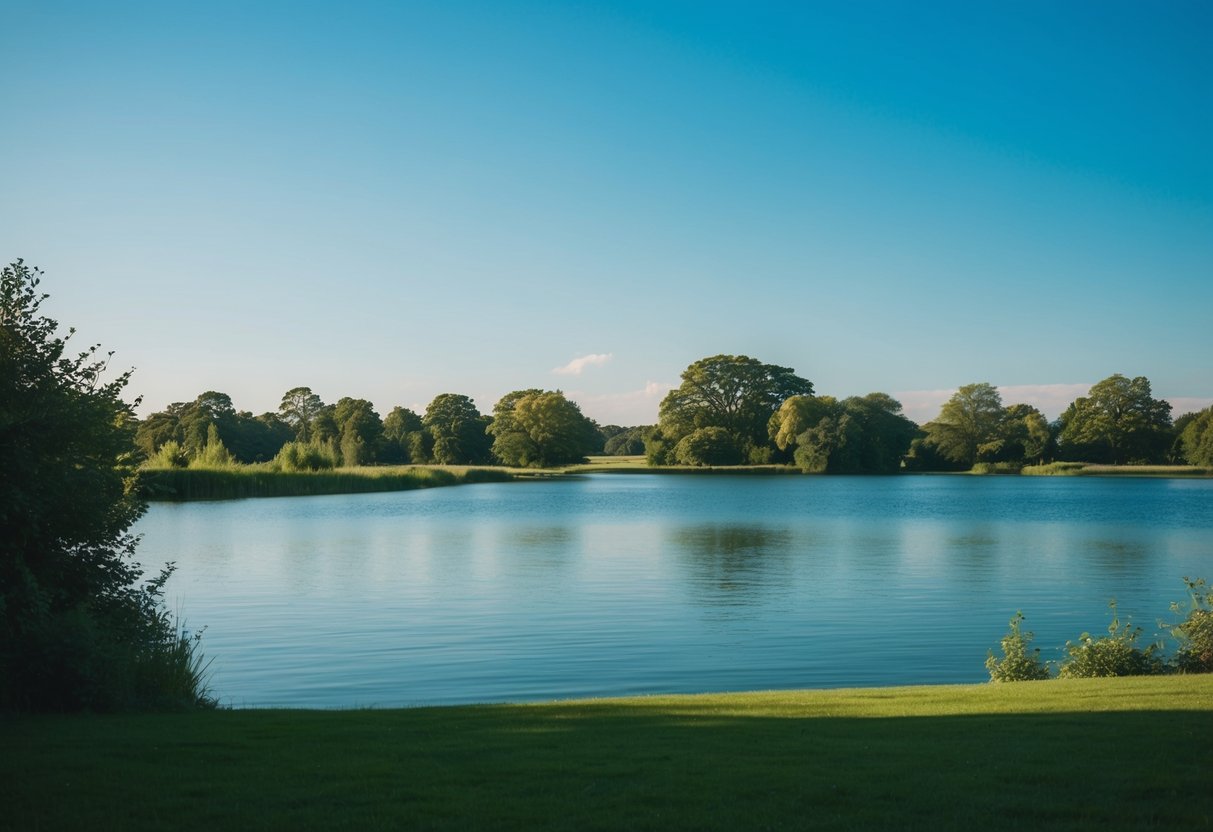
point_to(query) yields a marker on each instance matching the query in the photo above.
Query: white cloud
(574, 367)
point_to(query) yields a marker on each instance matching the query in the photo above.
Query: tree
(968, 425)
(360, 429)
(77, 627)
(1027, 434)
(859, 435)
(534, 428)
(299, 409)
(1118, 422)
(458, 430)
(733, 392)
(1197, 439)
(397, 427)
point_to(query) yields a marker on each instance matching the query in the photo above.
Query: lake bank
(186, 484)
(1066, 754)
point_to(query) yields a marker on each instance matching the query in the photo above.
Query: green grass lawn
(1068, 754)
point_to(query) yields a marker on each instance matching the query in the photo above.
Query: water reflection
(732, 565)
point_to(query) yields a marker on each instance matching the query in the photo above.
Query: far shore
(241, 482)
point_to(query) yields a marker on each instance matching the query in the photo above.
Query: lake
(621, 584)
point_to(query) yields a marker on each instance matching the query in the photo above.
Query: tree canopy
(733, 392)
(969, 424)
(1117, 422)
(457, 430)
(536, 428)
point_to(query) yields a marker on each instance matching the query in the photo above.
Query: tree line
(727, 410)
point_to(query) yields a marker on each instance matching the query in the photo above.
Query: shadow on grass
(606, 766)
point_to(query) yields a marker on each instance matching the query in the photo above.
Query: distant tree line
(728, 410)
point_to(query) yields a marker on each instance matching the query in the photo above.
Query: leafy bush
(169, 455)
(315, 455)
(1115, 654)
(708, 446)
(1054, 469)
(1016, 664)
(1195, 632)
(214, 454)
(77, 628)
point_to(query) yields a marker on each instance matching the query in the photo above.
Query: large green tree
(539, 429)
(457, 430)
(1118, 421)
(969, 424)
(299, 408)
(859, 435)
(78, 629)
(733, 392)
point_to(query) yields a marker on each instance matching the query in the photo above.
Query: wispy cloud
(1187, 404)
(574, 367)
(633, 407)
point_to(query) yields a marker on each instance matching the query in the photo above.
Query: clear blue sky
(396, 200)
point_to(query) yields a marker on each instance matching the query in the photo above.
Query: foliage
(735, 393)
(315, 455)
(859, 435)
(79, 626)
(299, 409)
(398, 425)
(708, 446)
(1197, 438)
(170, 455)
(1115, 654)
(1016, 664)
(538, 429)
(457, 430)
(247, 437)
(1117, 422)
(626, 442)
(360, 431)
(1195, 632)
(213, 454)
(969, 425)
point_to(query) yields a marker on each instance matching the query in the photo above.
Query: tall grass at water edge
(237, 482)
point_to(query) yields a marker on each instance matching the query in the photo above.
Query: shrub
(214, 453)
(1016, 664)
(708, 446)
(315, 455)
(1195, 632)
(1115, 654)
(169, 455)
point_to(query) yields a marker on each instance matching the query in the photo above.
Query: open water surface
(620, 584)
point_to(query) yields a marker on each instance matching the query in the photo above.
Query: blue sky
(396, 200)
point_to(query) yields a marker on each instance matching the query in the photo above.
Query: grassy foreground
(1066, 754)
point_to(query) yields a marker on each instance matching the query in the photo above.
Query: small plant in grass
(1115, 654)
(1017, 664)
(1195, 632)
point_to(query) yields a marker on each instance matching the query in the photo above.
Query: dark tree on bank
(733, 392)
(457, 430)
(299, 409)
(77, 628)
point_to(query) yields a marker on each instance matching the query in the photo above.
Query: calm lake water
(629, 584)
